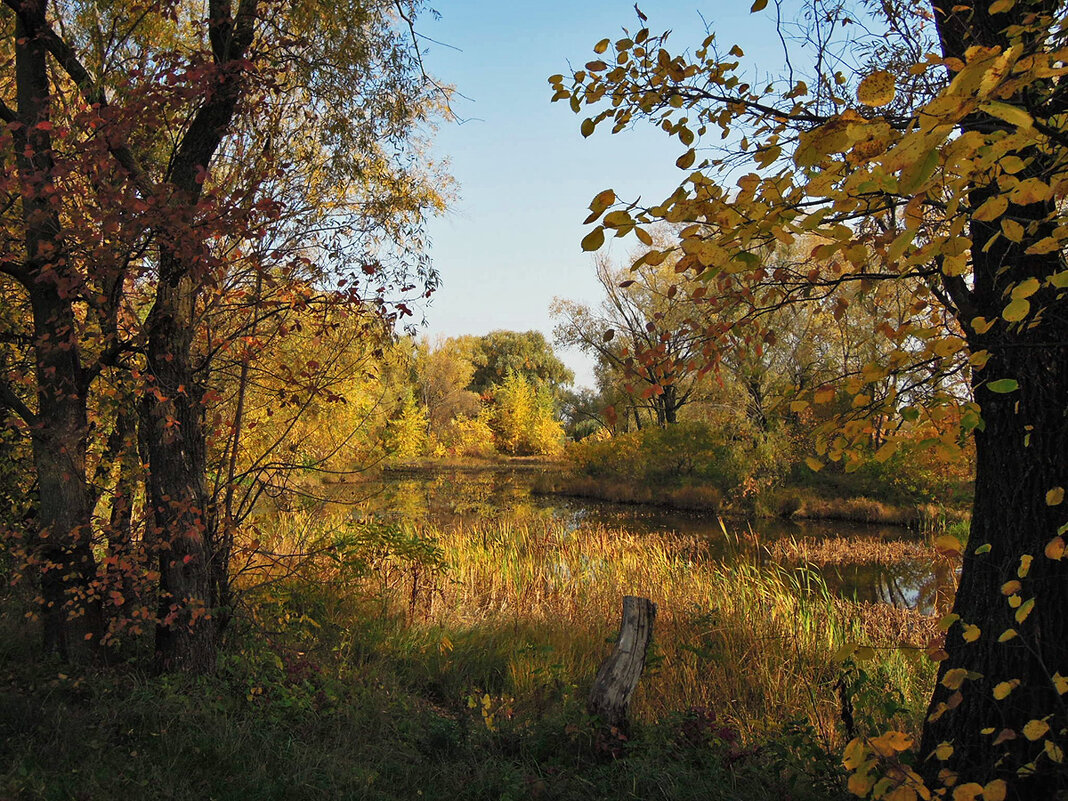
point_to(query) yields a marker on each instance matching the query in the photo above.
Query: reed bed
(852, 550)
(755, 643)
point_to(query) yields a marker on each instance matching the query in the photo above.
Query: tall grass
(378, 663)
(528, 609)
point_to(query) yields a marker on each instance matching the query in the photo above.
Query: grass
(852, 550)
(453, 663)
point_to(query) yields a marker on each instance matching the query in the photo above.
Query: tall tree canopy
(936, 159)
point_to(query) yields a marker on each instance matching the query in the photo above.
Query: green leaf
(1003, 385)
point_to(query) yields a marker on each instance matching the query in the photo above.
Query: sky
(509, 243)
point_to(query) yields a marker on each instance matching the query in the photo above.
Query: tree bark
(71, 611)
(619, 674)
(193, 570)
(1021, 454)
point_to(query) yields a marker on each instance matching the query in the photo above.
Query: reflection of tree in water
(445, 498)
(925, 586)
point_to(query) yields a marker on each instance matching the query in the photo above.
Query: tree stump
(619, 673)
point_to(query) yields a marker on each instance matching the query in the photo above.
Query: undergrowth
(454, 664)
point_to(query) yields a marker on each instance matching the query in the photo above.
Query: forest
(263, 536)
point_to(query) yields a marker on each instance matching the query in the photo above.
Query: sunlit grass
(526, 609)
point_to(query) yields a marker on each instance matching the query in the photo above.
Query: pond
(458, 496)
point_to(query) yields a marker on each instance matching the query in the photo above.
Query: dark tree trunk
(193, 569)
(670, 405)
(1021, 454)
(71, 611)
(180, 509)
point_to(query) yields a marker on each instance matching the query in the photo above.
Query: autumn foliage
(936, 166)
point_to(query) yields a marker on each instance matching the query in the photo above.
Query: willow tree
(941, 162)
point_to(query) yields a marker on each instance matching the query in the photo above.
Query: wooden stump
(619, 673)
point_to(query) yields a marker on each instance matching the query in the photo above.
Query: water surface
(450, 497)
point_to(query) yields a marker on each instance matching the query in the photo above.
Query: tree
(498, 354)
(944, 172)
(145, 176)
(444, 374)
(639, 333)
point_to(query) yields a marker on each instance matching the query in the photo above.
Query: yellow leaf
(982, 325)
(855, 754)
(1053, 751)
(877, 89)
(995, 790)
(1025, 289)
(1025, 565)
(1035, 729)
(1055, 548)
(815, 465)
(1060, 683)
(999, 7)
(1025, 610)
(601, 46)
(967, 792)
(587, 127)
(947, 621)
(1007, 635)
(970, 633)
(1013, 230)
(1016, 310)
(891, 743)
(1030, 190)
(1009, 587)
(594, 239)
(943, 752)
(860, 783)
(954, 678)
(1055, 496)
(1003, 688)
(617, 218)
(948, 545)
(686, 160)
(991, 209)
(1011, 114)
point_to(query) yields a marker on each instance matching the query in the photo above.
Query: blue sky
(510, 242)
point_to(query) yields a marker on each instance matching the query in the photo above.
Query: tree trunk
(619, 674)
(71, 611)
(193, 570)
(1008, 584)
(180, 511)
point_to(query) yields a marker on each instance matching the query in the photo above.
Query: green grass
(454, 664)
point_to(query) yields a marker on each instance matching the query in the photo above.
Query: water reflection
(458, 497)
